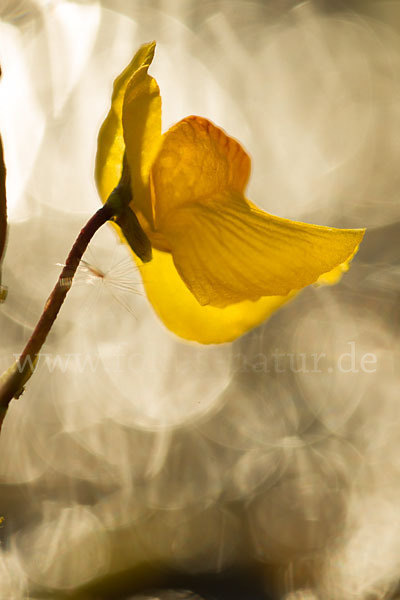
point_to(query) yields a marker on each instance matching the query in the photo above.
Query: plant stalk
(12, 381)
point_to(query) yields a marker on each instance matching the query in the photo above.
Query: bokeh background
(267, 468)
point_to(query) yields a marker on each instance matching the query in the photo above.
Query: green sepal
(134, 234)
(119, 201)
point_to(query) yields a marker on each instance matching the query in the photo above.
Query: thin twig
(19, 373)
(3, 213)
(3, 204)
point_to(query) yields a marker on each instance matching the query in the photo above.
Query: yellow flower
(220, 265)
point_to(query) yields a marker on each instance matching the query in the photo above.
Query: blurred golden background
(267, 468)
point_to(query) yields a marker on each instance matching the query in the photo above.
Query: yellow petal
(110, 143)
(141, 121)
(195, 161)
(226, 251)
(183, 315)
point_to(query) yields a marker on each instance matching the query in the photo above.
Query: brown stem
(12, 386)
(3, 205)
